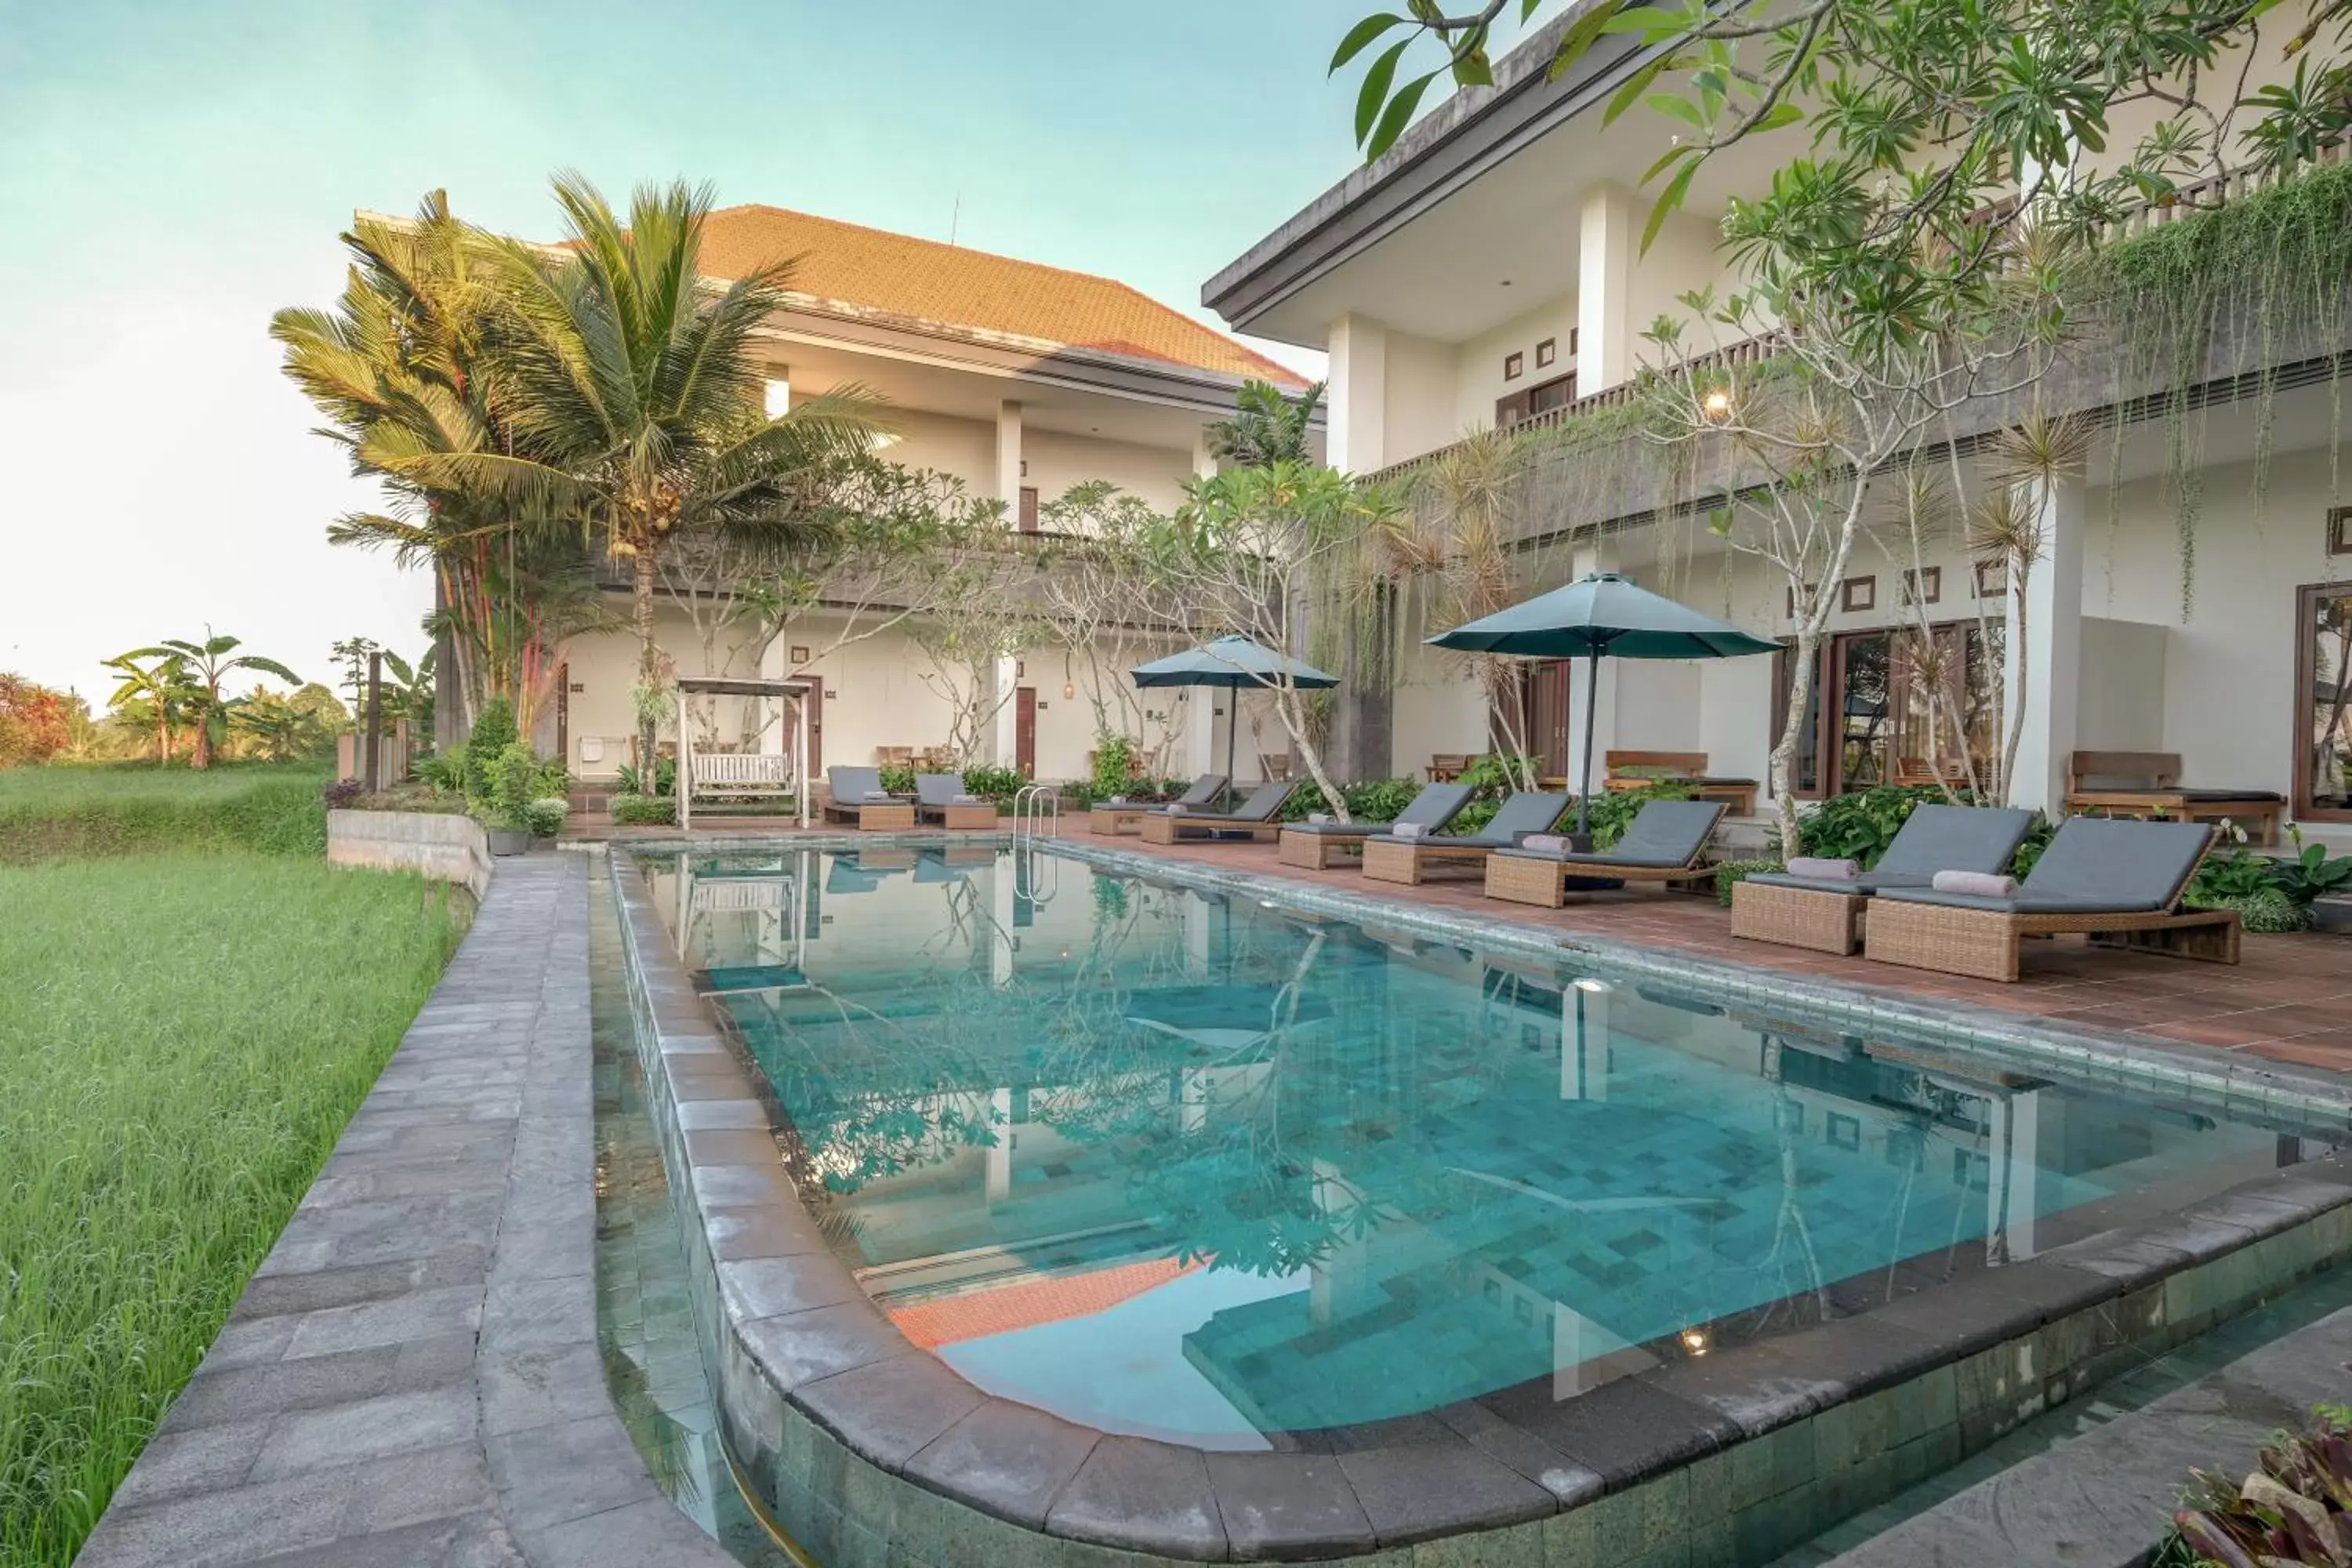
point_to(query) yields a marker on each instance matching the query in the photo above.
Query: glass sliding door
(2323, 764)
(1865, 691)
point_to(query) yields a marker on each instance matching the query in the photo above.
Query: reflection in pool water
(1195, 1167)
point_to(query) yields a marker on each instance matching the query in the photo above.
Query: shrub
(343, 794)
(898, 780)
(546, 815)
(1114, 761)
(664, 777)
(519, 778)
(443, 775)
(1859, 826)
(1728, 873)
(992, 784)
(2265, 909)
(644, 810)
(494, 732)
(2290, 1509)
(1614, 810)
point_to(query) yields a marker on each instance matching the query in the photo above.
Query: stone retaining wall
(444, 846)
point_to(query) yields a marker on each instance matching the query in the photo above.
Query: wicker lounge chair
(1410, 860)
(939, 797)
(1109, 820)
(858, 798)
(1827, 915)
(1666, 845)
(1258, 819)
(1317, 844)
(2148, 784)
(2118, 882)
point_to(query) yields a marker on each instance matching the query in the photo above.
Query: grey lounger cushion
(1205, 788)
(1665, 833)
(856, 786)
(1526, 812)
(1433, 808)
(2097, 864)
(1932, 839)
(1264, 804)
(936, 789)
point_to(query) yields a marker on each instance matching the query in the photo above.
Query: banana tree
(161, 687)
(206, 665)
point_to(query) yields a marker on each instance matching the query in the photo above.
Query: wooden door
(563, 714)
(815, 698)
(1024, 731)
(1028, 508)
(1548, 734)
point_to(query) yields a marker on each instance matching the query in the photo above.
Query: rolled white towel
(880, 797)
(1408, 829)
(1822, 869)
(1316, 818)
(1176, 808)
(1115, 800)
(970, 800)
(1547, 843)
(1981, 884)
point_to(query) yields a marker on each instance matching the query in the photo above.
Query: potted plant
(521, 788)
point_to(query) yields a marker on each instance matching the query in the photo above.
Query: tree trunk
(1784, 750)
(162, 734)
(200, 755)
(648, 661)
(2024, 670)
(1294, 720)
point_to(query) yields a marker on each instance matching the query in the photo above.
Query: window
(2340, 531)
(1546, 352)
(1894, 696)
(1992, 579)
(1520, 406)
(1856, 595)
(1513, 365)
(1028, 508)
(1923, 586)
(2323, 681)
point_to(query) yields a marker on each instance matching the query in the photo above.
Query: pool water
(1206, 1169)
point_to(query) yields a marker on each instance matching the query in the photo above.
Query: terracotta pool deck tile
(2331, 1051)
(2228, 1031)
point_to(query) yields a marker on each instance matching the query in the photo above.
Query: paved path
(412, 1379)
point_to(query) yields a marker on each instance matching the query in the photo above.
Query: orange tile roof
(953, 287)
(1001, 1309)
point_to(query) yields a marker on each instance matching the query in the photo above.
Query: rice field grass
(182, 1038)
(118, 809)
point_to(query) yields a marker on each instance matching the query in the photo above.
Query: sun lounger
(2148, 784)
(1258, 819)
(860, 799)
(1109, 820)
(1410, 860)
(2115, 880)
(1317, 844)
(940, 798)
(1666, 844)
(1827, 914)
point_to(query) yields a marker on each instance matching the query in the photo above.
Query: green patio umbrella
(1230, 664)
(1600, 612)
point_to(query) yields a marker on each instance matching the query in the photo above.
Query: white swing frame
(796, 693)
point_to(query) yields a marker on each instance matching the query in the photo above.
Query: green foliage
(898, 779)
(62, 812)
(494, 732)
(182, 1039)
(1376, 800)
(518, 778)
(2241, 874)
(443, 775)
(1859, 826)
(1267, 427)
(1494, 776)
(644, 810)
(1114, 762)
(545, 815)
(632, 781)
(2294, 1507)
(999, 784)
(1728, 873)
(1614, 811)
(2309, 874)
(2262, 910)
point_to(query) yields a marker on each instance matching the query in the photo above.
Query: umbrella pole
(1592, 700)
(1233, 714)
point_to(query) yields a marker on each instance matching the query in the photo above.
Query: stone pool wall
(871, 1451)
(448, 847)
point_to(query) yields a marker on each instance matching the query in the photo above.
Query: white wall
(2121, 703)
(1438, 706)
(1478, 383)
(1056, 461)
(1420, 397)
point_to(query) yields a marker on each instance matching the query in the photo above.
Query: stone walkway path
(412, 1379)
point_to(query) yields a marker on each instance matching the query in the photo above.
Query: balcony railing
(2202, 195)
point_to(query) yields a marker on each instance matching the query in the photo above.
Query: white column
(1201, 753)
(1008, 490)
(1358, 397)
(778, 391)
(1604, 316)
(999, 1153)
(2044, 666)
(2011, 1201)
(1584, 1045)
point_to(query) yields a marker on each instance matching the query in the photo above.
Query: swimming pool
(1204, 1168)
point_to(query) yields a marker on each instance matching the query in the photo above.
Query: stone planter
(510, 840)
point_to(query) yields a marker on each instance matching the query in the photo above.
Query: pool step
(2104, 1499)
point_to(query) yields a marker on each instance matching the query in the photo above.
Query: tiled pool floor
(645, 1322)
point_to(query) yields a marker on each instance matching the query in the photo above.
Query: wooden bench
(1444, 767)
(1640, 769)
(738, 774)
(2148, 784)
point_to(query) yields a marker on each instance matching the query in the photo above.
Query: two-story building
(1488, 272)
(1018, 379)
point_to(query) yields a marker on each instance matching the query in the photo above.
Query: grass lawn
(182, 1039)
(126, 807)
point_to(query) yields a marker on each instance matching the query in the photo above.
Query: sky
(171, 173)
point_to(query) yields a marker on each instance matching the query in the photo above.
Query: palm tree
(161, 686)
(204, 665)
(1267, 427)
(633, 398)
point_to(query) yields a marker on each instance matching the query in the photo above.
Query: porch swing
(716, 774)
